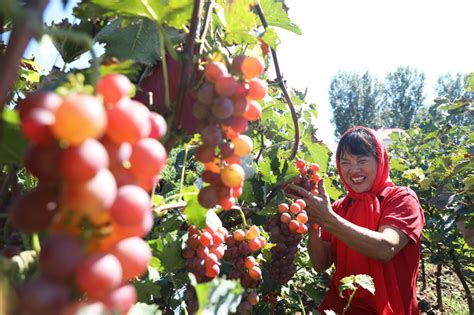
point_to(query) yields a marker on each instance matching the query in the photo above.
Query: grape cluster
(96, 159)
(226, 102)
(204, 248)
(309, 176)
(286, 230)
(241, 246)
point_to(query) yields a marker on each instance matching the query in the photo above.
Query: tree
(451, 86)
(355, 100)
(403, 97)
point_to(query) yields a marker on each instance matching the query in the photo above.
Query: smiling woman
(374, 230)
(358, 160)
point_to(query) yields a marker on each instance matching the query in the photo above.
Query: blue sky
(433, 36)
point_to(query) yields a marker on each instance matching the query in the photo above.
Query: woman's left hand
(318, 207)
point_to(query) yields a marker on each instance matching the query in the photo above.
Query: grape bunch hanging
(96, 157)
(204, 248)
(289, 224)
(226, 102)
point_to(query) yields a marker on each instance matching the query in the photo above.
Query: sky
(433, 36)
(378, 36)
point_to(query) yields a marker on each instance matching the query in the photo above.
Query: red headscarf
(363, 209)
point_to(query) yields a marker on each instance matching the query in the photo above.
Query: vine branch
(282, 85)
(186, 70)
(25, 26)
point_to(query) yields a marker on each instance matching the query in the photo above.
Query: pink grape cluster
(241, 246)
(226, 102)
(286, 229)
(96, 159)
(204, 248)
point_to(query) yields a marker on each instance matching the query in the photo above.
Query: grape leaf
(195, 213)
(276, 16)
(266, 171)
(176, 13)
(218, 296)
(70, 50)
(271, 37)
(137, 40)
(146, 286)
(12, 142)
(239, 22)
(366, 282)
(317, 152)
(166, 247)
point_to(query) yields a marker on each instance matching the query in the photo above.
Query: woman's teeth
(358, 179)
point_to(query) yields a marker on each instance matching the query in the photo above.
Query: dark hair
(357, 142)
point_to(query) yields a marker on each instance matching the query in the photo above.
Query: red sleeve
(402, 211)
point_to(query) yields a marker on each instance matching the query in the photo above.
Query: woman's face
(358, 171)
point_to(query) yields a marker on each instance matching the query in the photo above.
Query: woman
(374, 230)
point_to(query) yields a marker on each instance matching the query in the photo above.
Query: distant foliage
(355, 100)
(403, 97)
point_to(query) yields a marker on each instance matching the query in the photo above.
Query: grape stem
(181, 181)
(35, 243)
(282, 85)
(165, 67)
(303, 311)
(25, 26)
(177, 205)
(242, 215)
(207, 19)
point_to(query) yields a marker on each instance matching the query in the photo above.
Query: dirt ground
(454, 298)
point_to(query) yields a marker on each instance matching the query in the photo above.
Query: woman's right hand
(318, 207)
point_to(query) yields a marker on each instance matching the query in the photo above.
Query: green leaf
(218, 296)
(176, 13)
(146, 286)
(195, 213)
(333, 192)
(347, 283)
(271, 37)
(68, 48)
(266, 171)
(132, 39)
(127, 7)
(167, 249)
(144, 309)
(316, 152)
(127, 67)
(239, 22)
(12, 142)
(365, 281)
(170, 223)
(276, 16)
(398, 165)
